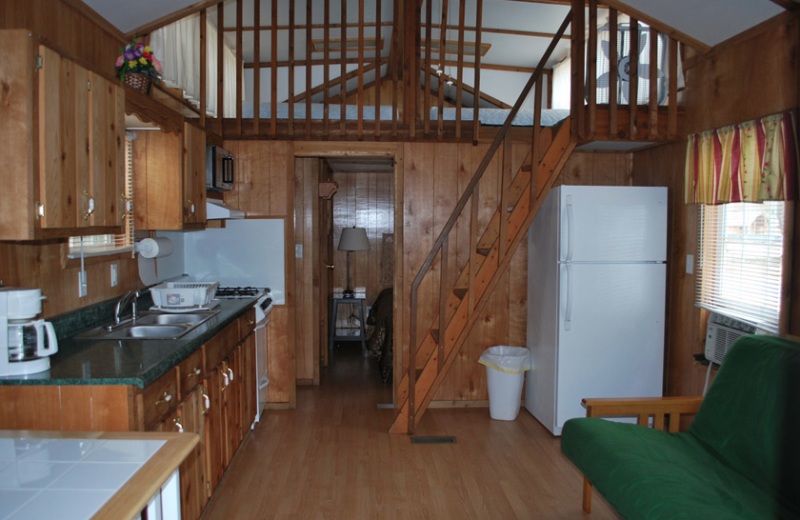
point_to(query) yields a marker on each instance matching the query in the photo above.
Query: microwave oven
(219, 169)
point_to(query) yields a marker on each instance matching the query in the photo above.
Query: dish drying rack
(183, 295)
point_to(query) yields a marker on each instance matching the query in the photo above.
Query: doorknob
(328, 266)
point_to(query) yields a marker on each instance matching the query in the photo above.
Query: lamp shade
(353, 239)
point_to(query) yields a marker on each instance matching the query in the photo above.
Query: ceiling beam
(170, 18)
(332, 83)
(444, 77)
(659, 26)
(304, 27)
(789, 5)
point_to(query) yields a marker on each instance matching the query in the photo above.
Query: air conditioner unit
(722, 332)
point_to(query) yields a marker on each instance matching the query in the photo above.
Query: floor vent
(385, 406)
(440, 439)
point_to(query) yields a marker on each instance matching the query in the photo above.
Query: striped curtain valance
(747, 162)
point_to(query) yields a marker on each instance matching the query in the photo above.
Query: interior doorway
(365, 199)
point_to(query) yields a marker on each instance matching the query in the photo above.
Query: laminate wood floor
(332, 458)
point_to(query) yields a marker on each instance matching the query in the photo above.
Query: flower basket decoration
(137, 67)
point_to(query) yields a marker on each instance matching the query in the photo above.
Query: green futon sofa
(739, 459)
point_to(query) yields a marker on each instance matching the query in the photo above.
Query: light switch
(689, 264)
(114, 275)
(298, 250)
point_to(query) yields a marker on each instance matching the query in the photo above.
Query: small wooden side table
(332, 335)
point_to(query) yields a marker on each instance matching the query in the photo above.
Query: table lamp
(352, 239)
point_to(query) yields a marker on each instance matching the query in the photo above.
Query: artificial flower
(143, 61)
(132, 64)
(148, 50)
(120, 61)
(137, 58)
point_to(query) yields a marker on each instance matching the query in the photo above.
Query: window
(97, 245)
(741, 259)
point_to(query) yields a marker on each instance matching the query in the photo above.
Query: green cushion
(647, 474)
(750, 417)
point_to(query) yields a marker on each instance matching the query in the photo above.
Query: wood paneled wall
(43, 265)
(435, 175)
(362, 200)
(753, 77)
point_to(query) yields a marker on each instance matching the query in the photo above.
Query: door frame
(322, 150)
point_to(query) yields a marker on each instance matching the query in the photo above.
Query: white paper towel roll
(155, 247)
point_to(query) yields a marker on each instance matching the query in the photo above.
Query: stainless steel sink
(150, 326)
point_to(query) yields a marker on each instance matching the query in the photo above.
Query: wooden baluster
(505, 180)
(442, 43)
(343, 59)
(473, 246)
(591, 69)
(672, 117)
(633, 77)
(477, 95)
(652, 133)
(257, 68)
(308, 69)
(291, 67)
(443, 293)
(379, 62)
(273, 84)
(426, 96)
(578, 68)
(613, 72)
(460, 68)
(239, 77)
(412, 358)
(536, 142)
(326, 73)
(361, 69)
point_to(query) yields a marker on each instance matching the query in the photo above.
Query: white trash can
(505, 372)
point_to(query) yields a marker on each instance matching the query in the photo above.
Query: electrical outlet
(689, 264)
(83, 289)
(114, 275)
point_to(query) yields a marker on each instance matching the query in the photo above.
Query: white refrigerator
(596, 298)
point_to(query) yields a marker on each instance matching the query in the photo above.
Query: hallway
(332, 458)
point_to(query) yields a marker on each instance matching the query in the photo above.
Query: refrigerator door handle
(568, 313)
(570, 218)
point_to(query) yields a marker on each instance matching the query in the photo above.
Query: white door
(611, 334)
(613, 224)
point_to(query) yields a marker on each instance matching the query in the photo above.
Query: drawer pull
(178, 425)
(194, 373)
(251, 322)
(89, 205)
(165, 398)
(230, 371)
(206, 403)
(226, 381)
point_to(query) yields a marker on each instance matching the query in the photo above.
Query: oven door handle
(261, 325)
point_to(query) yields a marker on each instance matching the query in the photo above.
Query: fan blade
(623, 91)
(642, 40)
(603, 80)
(644, 71)
(606, 46)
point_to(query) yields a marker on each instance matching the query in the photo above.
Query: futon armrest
(644, 408)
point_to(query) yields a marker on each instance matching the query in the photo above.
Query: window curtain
(178, 47)
(748, 162)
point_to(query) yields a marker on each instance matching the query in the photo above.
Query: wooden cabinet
(169, 186)
(62, 128)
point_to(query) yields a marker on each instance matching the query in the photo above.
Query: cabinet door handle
(39, 210)
(165, 398)
(230, 371)
(194, 373)
(251, 322)
(191, 207)
(226, 381)
(206, 403)
(178, 425)
(89, 206)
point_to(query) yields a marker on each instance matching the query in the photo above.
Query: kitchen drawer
(190, 372)
(159, 398)
(218, 347)
(247, 323)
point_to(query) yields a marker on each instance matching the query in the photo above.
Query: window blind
(95, 245)
(740, 262)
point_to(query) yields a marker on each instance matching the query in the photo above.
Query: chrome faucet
(122, 304)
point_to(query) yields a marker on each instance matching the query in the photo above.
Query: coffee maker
(25, 343)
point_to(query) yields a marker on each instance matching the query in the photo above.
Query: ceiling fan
(623, 64)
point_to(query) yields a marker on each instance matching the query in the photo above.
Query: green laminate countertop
(127, 362)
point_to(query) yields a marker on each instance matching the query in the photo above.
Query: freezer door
(611, 334)
(613, 224)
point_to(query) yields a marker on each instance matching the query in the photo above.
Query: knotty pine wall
(751, 77)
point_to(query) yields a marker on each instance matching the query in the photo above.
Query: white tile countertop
(73, 478)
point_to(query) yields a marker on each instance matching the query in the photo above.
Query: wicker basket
(138, 82)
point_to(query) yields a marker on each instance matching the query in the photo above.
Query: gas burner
(238, 292)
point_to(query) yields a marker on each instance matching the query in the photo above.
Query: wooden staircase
(433, 348)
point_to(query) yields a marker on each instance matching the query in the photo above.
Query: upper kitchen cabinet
(169, 179)
(63, 132)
